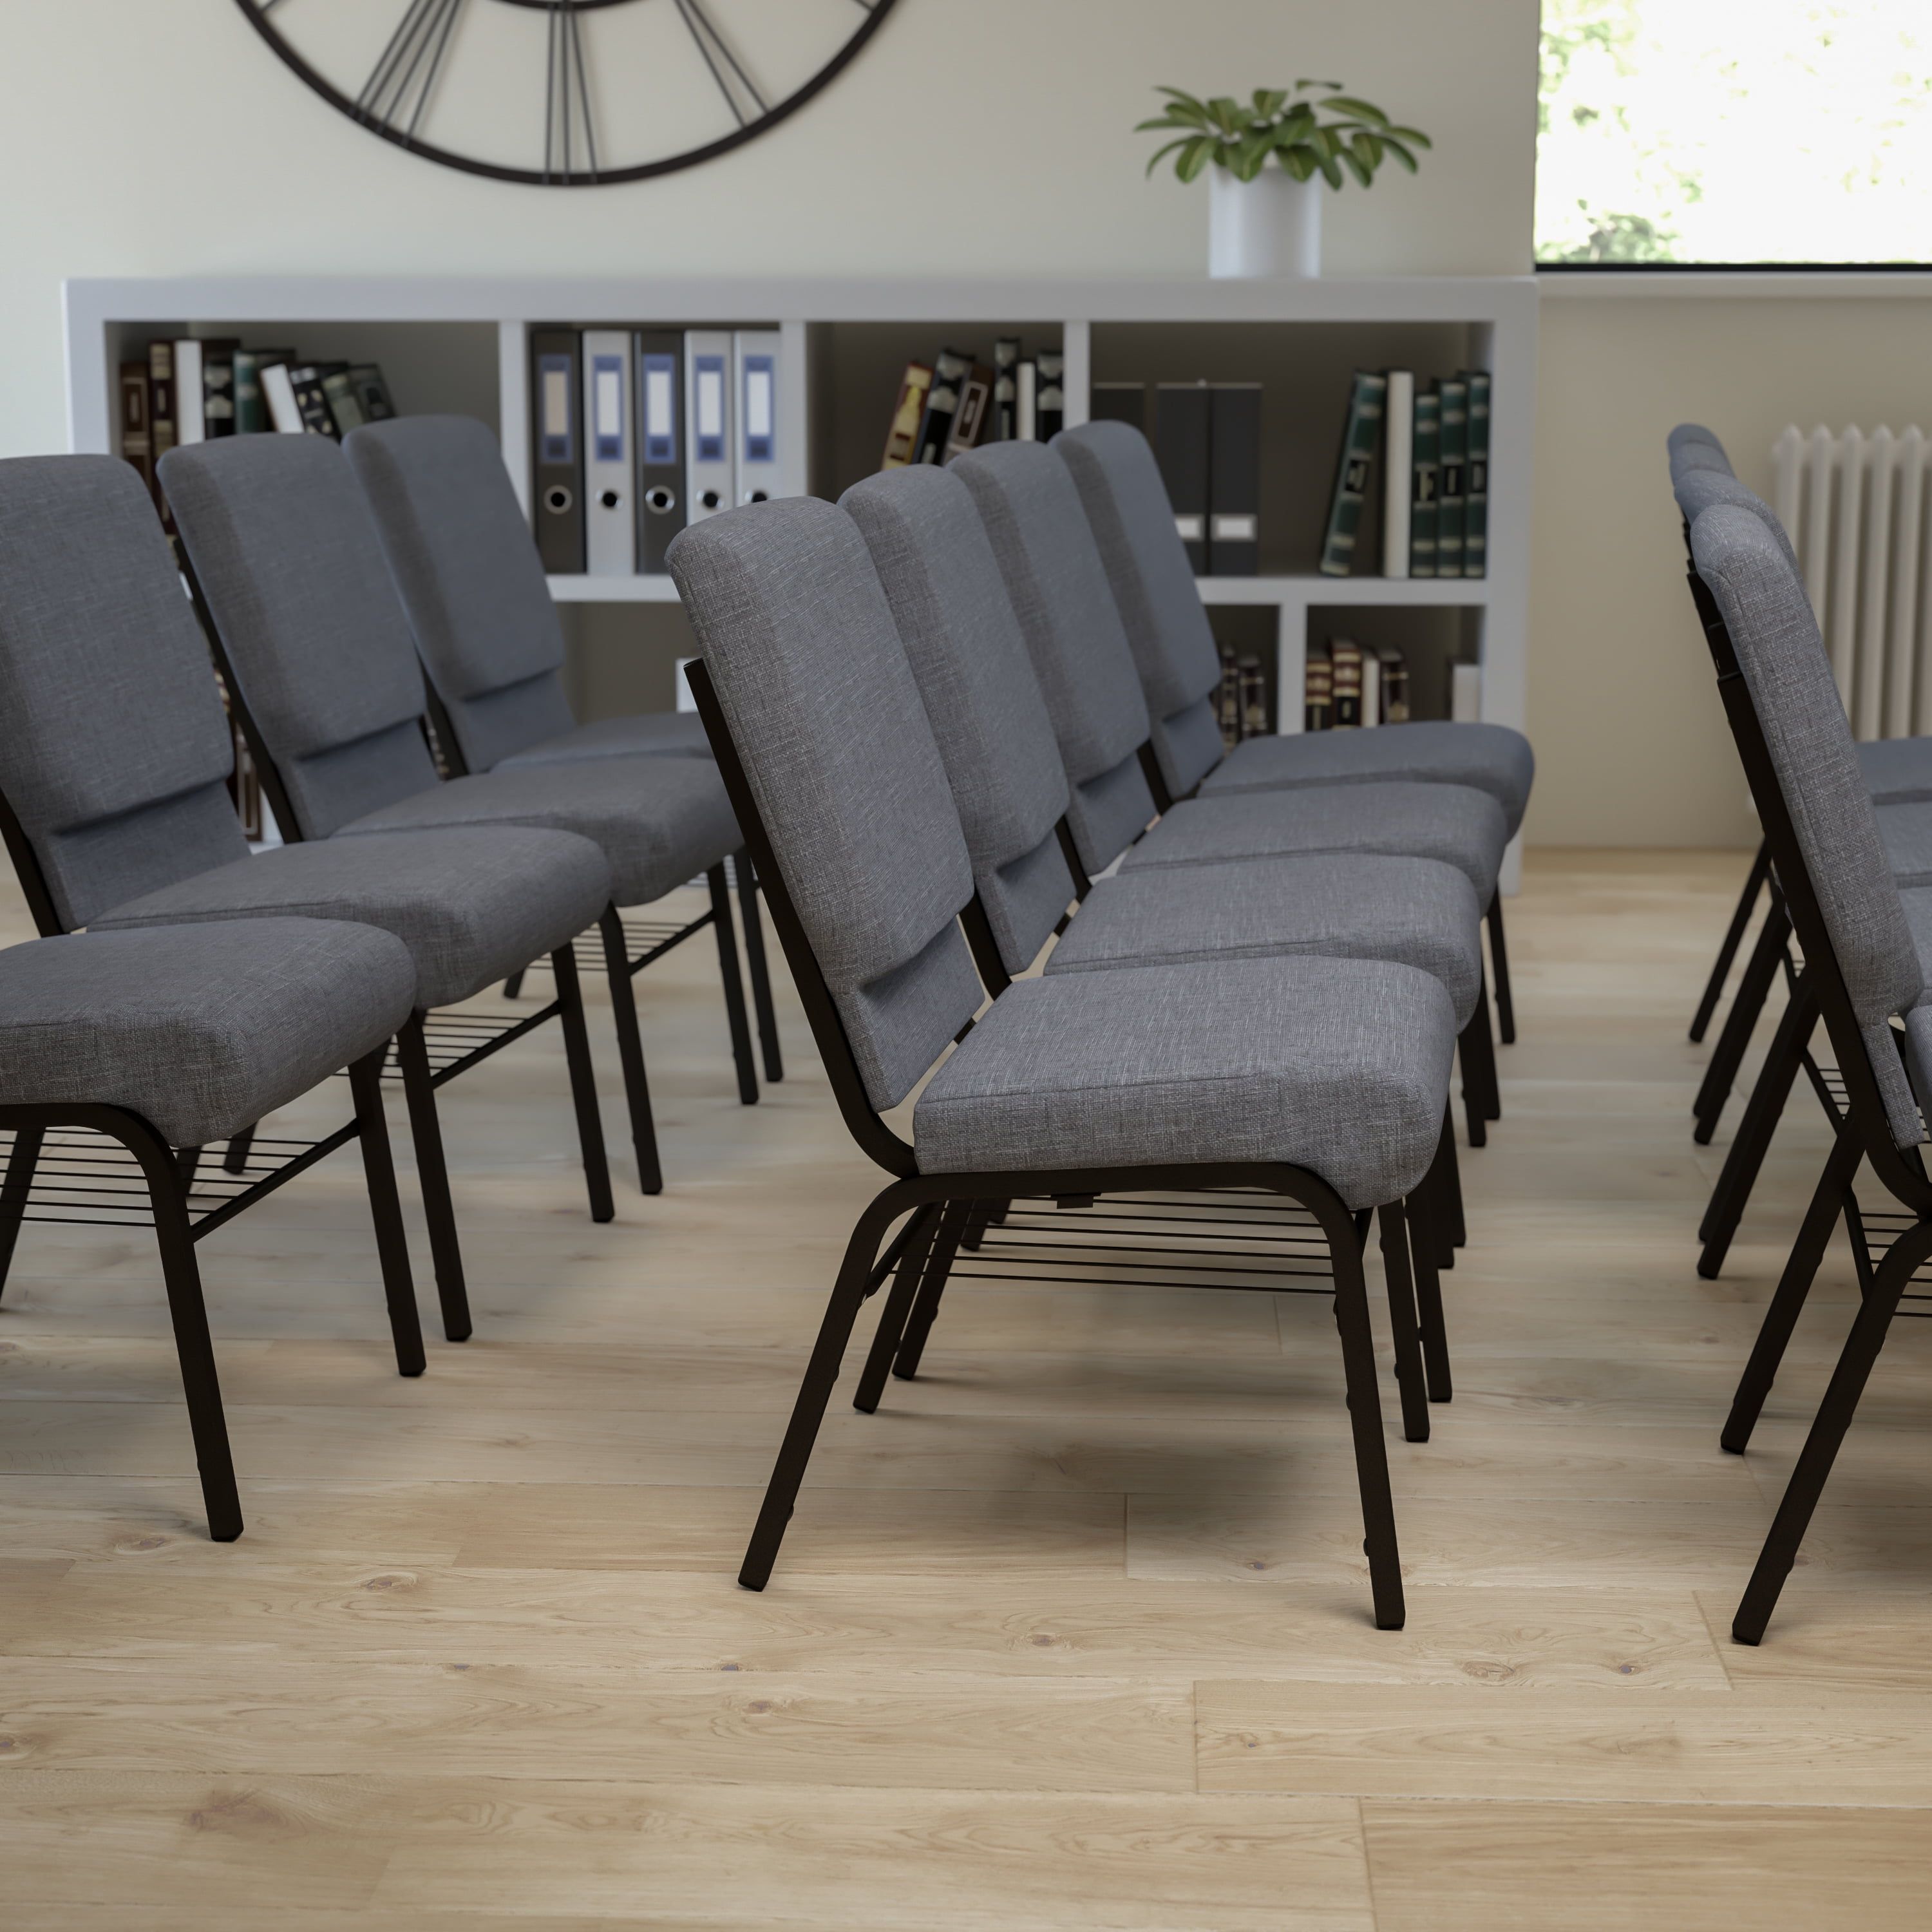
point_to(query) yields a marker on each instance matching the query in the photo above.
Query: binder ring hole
(659, 499)
(557, 498)
(610, 499)
(710, 499)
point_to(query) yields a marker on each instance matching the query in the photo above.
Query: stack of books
(956, 402)
(1434, 447)
(1348, 685)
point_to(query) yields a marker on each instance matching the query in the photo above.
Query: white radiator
(1856, 506)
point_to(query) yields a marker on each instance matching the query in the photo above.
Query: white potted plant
(1267, 220)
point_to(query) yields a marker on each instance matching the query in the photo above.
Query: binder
(610, 521)
(1449, 500)
(1234, 479)
(974, 415)
(1398, 470)
(1050, 406)
(556, 457)
(760, 474)
(1006, 388)
(1119, 402)
(1359, 435)
(1180, 417)
(707, 424)
(660, 439)
(1428, 446)
(1476, 486)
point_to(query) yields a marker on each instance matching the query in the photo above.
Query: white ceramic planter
(1269, 226)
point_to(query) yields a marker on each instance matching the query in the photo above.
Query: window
(1688, 131)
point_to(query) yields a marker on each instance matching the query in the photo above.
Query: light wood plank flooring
(1073, 1633)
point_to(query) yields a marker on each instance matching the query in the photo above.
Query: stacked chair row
(1863, 925)
(211, 986)
(960, 702)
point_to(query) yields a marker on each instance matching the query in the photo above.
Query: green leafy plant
(1309, 129)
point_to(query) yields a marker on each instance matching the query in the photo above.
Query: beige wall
(1631, 745)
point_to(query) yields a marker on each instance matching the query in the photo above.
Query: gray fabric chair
(486, 629)
(322, 667)
(115, 805)
(1328, 1088)
(948, 600)
(1864, 970)
(163, 1040)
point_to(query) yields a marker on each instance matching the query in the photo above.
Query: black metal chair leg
(386, 1209)
(755, 963)
(1794, 1285)
(1732, 1193)
(1499, 964)
(630, 1050)
(1395, 1272)
(1713, 987)
(1455, 1234)
(22, 1160)
(815, 1390)
(1814, 1467)
(188, 1313)
(513, 986)
(734, 987)
(1427, 1212)
(432, 1178)
(952, 1228)
(583, 1084)
(1469, 1046)
(1753, 991)
(898, 1306)
(235, 1159)
(1493, 1091)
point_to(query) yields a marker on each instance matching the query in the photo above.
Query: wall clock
(567, 93)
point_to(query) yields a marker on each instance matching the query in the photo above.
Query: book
(218, 385)
(1346, 658)
(1398, 470)
(137, 444)
(1181, 418)
(251, 406)
(309, 381)
(610, 518)
(1050, 407)
(1361, 431)
(372, 391)
(1449, 499)
(556, 463)
(190, 419)
(1318, 691)
(971, 419)
(908, 412)
(949, 370)
(1394, 680)
(161, 419)
(1234, 478)
(1465, 694)
(1228, 700)
(660, 440)
(1006, 388)
(1119, 402)
(1254, 699)
(1428, 444)
(278, 394)
(1026, 406)
(345, 408)
(1476, 478)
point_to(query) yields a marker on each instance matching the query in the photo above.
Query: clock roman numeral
(399, 87)
(740, 92)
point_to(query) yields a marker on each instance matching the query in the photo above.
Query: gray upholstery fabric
(115, 748)
(1414, 911)
(1689, 437)
(1457, 824)
(824, 713)
(988, 718)
(490, 729)
(1491, 758)
(1031, 508)
(1696, 490)
(1340, 1067)
(1133, 520)
(1896, 768)
(288, 562)
(660, 821)
(645, 734)
(200, 1030)
(472, 907)
(1694, 456)
(1779, 651)
(1905, 829)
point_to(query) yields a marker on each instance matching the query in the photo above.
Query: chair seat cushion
(1906, 828)
(1341, 1067)
(1491, 758)
(1417, 912)
(471, 906)
(200, 1030)
(652, 734)
(1460, 826)
(1897, 768)
(661, 821)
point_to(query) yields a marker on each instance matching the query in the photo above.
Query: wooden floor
(1073, 1632)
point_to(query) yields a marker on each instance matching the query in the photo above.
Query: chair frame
(938, 1207)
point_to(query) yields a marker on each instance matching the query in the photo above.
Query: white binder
(610, 520)
(708, 426)
(761, 472)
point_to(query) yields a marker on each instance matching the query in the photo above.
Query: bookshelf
(459, 344)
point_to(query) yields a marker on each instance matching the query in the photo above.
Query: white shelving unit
(109, 319)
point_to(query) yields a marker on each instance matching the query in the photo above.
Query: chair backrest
(826, 719)
(1027, 500)
(1127, 504)
(461, 554)
(1691, 446)
(1697, 489)
(292, 575)
(956, 622)
(115, 752)
(1812, 753)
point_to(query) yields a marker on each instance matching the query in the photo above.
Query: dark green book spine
(1428, 459)
(1359, 437)
(1450, 502)
(1476, 493)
